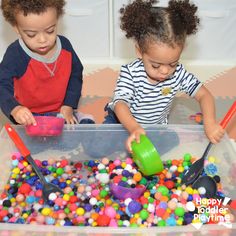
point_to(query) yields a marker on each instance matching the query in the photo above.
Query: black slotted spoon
(210, 186)
(48, 188)
(197, 167)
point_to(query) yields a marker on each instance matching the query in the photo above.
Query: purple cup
(122, 193)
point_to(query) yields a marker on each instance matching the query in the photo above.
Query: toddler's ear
(138, 51)
(16, 29)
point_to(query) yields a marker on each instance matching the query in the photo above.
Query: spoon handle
(17, 140)
(23, 150)
(228, 115)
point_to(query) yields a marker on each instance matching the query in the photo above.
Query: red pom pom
(63, 163)
(78, 165)
(160, 212)
(103, 220)
(169, 184)
(24, 188)
(117, 179)
(73, 199)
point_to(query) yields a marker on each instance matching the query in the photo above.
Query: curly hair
(145, 23)
(11, 7)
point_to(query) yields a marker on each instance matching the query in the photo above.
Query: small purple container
(122, 193)
(46, 126)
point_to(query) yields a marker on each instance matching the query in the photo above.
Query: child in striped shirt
(146, 87)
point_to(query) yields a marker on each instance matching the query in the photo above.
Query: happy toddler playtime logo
(211, 211)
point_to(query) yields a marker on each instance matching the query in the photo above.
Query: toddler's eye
(50, 32)
(173, 64)
(155, 66)
(31, 35)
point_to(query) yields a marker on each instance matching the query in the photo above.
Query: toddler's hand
(23, 116)
(214, 132)
(67, 113)
(134, 135)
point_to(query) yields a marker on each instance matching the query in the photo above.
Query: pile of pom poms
(87, 199)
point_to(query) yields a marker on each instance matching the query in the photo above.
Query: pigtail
(136, 19)
(183, 17)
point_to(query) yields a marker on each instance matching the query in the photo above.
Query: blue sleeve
(74, 88)
(12, 66)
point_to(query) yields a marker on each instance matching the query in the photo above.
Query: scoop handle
(228, 115)
(17, 140)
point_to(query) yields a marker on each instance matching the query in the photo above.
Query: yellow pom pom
(80, 211)
(189, 190)
(211, 159)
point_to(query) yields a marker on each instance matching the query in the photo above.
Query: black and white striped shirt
(150, 103)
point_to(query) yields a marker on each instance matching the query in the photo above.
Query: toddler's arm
(23, 115)
(125, 117)
(213, 130)
(67, 113)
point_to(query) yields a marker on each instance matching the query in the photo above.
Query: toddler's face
(160, 61)
(38, 32)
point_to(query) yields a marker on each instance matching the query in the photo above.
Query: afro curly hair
(11, 7)
(143, 22)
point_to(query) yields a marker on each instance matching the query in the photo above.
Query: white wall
(93, 28)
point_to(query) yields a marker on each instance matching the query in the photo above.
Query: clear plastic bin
(84, 142)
